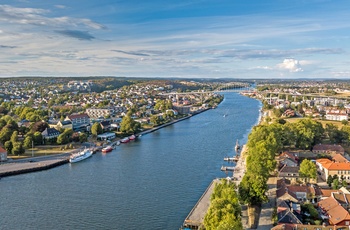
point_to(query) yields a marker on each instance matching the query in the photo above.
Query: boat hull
(80, 156)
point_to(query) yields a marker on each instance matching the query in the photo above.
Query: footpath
(265, 218)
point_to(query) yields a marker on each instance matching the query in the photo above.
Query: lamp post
(32, 148)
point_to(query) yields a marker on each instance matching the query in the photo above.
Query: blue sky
(172, 38)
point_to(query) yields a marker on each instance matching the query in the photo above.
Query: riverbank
(34, 164)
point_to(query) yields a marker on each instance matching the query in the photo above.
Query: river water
(151, 183)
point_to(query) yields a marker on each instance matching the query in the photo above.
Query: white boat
(82, 155)
(237, 147)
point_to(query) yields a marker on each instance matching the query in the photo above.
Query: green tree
(330, 181)
(38, 138)
(17, 148)
(14, 137)
(129, 125)
(154, 119)
(308, 170)
(28, 141)
(252, 189)
(5, 134)
(8, 146)
(335, 184)
(62, 139)
(309, 132)
(96, 129)
(224, 211)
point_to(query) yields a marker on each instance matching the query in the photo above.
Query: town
(306, 165)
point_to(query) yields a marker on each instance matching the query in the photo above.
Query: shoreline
(35, 164)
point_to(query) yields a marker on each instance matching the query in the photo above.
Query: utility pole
(32, 148)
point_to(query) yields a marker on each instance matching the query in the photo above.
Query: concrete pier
(195, 218)
(11, 169)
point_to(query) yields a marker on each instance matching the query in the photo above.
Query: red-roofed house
(329, 168)
(339, 158)
(3, 154)
(288, 159)
(334, 212)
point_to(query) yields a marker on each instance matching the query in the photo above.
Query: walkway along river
(151, 183)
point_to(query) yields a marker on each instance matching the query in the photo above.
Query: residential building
(337, 115)
(332, 211)
(287, 159)
(328, 149)
(80, 122)
(328, 168)
(50, 133)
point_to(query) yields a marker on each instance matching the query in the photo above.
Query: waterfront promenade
(31, 165)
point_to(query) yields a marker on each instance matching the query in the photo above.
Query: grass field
(41, 151)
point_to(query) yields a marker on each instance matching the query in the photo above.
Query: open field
(42, 151)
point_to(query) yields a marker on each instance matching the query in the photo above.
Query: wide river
(151, 183)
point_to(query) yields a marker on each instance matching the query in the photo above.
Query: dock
(11, 169)
(235, 158)
(195, 218)
(227, 168)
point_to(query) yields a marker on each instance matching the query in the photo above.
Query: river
(151, 183)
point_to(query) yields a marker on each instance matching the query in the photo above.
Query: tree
(39, 126)
(75, 137)
(38, 138)
(17, 148)
(308, 169)
(83, 137)
(309, 132)
(14, 137)
(96, 129)
(252, 189)
(330, 181)
(5, 134)
(8, 146)
(335, 184)
(129, 125)
(28, 142)
(154, 120)
(62, 139)
(224, 211)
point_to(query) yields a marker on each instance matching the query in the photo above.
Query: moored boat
(132, 137)
(82, 155)
(125, 140)
(107, 149)
(237, 147)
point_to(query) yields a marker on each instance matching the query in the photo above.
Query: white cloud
(36, 16)
(60, 6)
(290, 64)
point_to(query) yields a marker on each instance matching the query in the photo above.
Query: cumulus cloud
(290, 64)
